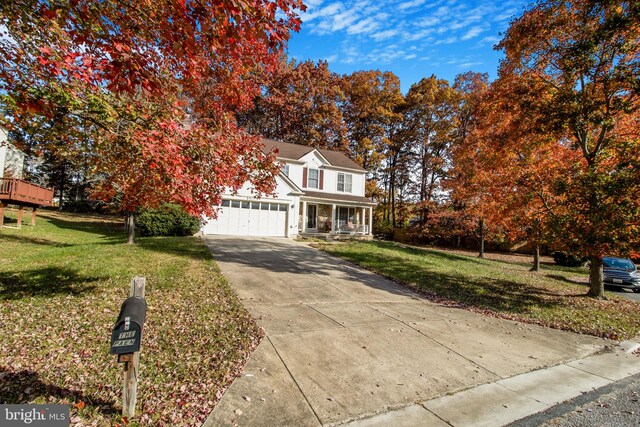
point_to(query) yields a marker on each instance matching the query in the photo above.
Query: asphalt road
(616, 405)
(625, 293)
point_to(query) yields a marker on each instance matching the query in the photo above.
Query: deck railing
(19, 191)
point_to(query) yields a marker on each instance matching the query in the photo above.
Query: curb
(511, 399)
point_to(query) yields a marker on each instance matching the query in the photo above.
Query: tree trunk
(596, 282)
(131, 229)
(61, 186)
(536, 258)
(481, 231)
(392, 194)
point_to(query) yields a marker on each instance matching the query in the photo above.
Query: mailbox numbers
(122, 342)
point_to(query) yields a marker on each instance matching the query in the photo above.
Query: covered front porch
(334, 220)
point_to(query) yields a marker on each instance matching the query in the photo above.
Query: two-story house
(317, 192)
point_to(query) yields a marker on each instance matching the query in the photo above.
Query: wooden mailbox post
(125, 342)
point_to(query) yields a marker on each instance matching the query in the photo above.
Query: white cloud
(469, 64)
(448, 40)
(384, 35)
(410, 4)
(365, 26)
(488, 40)
(343, 20)
(473, 32)
(505, 15)
(419, 35)
(427, 21)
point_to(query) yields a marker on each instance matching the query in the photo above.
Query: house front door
(312, 221)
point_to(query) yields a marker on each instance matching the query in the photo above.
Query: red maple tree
(152, 85)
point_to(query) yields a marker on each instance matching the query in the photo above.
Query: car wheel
(636, 290)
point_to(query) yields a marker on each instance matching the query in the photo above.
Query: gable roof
(296, 151)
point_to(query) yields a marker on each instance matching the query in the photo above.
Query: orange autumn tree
(578, 64)
(506, 170)
(153, 86)
(299, 104)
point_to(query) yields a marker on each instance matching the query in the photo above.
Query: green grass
(553, 297)
(61, 287)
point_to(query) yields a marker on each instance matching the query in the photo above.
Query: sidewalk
(344, 346)
(502, 402)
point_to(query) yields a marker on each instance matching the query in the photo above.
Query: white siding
(11, 159)
(313, 161)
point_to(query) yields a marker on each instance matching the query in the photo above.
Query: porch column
(304, 216)
(370, 221)
(287, 221)
(333, 218)
(362, 217)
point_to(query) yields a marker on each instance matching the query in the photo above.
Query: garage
(249, 218)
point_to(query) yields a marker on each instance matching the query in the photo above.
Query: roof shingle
(296, 151)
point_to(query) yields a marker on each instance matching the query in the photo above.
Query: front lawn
(61, 287)
(552, 297)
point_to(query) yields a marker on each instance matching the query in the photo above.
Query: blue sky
(411, 38)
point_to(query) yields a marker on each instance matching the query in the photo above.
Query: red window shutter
(304, 177)
(321, 179)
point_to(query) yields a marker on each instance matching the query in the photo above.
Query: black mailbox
(127, 332)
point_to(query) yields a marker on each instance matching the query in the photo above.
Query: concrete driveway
(343, 344)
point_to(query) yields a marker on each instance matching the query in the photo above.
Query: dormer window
(313, 178)
(345, 182)
(285, 170)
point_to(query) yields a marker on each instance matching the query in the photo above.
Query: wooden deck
(23, 193)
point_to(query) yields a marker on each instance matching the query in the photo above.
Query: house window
(285, 170)
(344, 182)
(346, 217)
(313, 178)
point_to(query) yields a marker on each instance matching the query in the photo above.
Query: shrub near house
(167, 220)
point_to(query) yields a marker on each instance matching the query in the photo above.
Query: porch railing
(353, 229)
(19, 191)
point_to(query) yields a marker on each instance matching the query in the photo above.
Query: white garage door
(240, 218)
